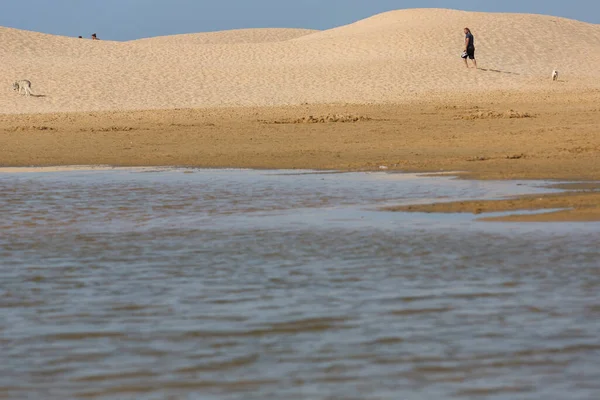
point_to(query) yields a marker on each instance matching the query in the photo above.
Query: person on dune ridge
(469, 48)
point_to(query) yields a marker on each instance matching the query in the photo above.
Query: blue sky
(132, 19)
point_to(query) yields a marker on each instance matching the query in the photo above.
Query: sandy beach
(390, 91)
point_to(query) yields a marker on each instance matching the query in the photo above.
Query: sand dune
(392, 57)
(230, 37)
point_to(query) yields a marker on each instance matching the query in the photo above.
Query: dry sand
(397, 56)
(389, 91)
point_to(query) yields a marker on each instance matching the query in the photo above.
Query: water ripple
(262, 284)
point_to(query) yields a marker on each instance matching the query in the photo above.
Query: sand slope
(265, 35)
(392, 57)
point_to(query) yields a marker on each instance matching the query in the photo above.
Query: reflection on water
(230, 284)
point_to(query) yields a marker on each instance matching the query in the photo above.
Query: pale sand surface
(398, 56)
(387, 91)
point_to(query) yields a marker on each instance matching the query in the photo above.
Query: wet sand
(515, 135)
(579, 206)
(580, 202)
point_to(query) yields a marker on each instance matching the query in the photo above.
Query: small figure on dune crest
(469, 51)
(80, 37)
(22, 86)
(94, 37)
(555, 75)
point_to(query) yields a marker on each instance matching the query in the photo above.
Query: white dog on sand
(23, 86)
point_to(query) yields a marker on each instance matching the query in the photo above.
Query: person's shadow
(499, 71)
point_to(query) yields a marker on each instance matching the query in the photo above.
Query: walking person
(469, 48)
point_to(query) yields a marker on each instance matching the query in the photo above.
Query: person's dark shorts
(471, 52)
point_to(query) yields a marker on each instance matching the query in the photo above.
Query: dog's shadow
(38, 95)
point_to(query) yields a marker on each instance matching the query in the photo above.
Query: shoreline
(498, 136)
(578, 202)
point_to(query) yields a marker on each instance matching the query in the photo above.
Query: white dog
(555, 75)
(23, 86)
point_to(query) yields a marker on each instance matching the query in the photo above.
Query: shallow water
(233, 284)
